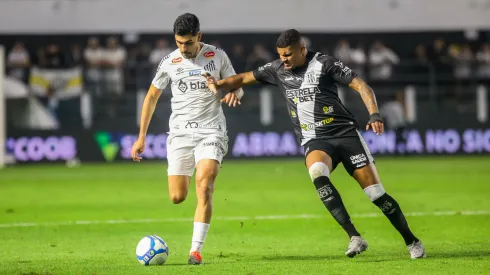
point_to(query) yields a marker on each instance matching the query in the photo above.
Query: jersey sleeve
(226, 67)
(265, 74)
(161, 79)
(338, 71)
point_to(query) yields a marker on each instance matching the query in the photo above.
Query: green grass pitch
(267, 219)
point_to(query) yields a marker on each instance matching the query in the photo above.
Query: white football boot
(416, 250)
(357, 245)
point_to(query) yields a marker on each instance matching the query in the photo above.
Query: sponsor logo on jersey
(292, 78)
(327, 109)
(194, 72)
(210, 66)
(265, 66)
(176, 60)
(195, 125)
(302, 95)
(312, 126)
(209, 54)
(358, 159)
(293, 114)
(180, 70)
(182, 86)
(346, 70)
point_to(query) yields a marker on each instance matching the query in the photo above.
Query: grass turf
(53, 196)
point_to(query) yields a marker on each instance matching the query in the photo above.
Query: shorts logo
(176, 60)
(214, 144)
(182, 86)
(327, 109)
(324, 191)
(209, 54)
(358, 159)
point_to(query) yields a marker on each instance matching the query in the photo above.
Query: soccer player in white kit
(198, 137)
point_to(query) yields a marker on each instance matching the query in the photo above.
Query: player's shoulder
(325, 58)
(171, 58)
(273, 65)
(211, 51)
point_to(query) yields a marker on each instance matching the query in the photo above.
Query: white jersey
(195, 108)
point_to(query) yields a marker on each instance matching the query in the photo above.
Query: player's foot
(195, 258)
(357, 245)
(416, 250)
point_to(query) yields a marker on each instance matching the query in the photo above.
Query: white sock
(199, 236)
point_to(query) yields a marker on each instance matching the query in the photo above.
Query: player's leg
(180, 157)
(209, 155)
(359, 163)
(319, 164)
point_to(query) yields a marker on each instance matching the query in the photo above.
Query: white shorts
(184, 151)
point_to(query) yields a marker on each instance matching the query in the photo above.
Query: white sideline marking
(242, 218)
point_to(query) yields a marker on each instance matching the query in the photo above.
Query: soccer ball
(152, 250)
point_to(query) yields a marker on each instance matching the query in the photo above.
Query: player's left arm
(369, 99)
(344, 75)
(232, 98)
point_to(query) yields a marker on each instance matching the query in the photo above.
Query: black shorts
(351, 150)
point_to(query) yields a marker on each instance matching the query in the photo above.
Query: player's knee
(177, 197)
(374, 191)
(318, 169)
(207, 174)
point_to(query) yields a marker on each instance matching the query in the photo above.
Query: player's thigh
(178, 187)
(180, 155)
(357, 160)
(209, 155)
(321, 151)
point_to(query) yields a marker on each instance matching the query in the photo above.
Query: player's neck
(198, 50)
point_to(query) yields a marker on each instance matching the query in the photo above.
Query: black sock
(394, 213)
(332, 200)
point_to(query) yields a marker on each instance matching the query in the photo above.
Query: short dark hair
(288, 38)
(186, 24)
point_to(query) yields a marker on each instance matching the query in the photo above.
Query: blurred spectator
(18, 61)
(113, 60)
(358, 59)
(395, 117)
(237, 57)
(161, 50)
(420, 55)
(93, 60)
(258, 57)
(483, 59)
(55, 58)
(462, 58)
(343, 52)
(76, 54)
(381, 60)
(438, 52)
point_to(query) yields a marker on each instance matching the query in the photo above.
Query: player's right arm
(159, 83)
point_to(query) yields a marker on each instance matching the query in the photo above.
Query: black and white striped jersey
(311, 93)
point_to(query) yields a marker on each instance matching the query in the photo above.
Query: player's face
(188, 44)
(292, 56)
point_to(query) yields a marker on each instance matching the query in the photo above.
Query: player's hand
(376, 123)
(138, 148)
(231, 99)
(212, 83)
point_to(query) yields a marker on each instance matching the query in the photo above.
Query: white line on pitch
(242, 218)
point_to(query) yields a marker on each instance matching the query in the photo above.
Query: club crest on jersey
(209, 54)
(312, 78)
(182, 86)
(210, 66)
(176, 60)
